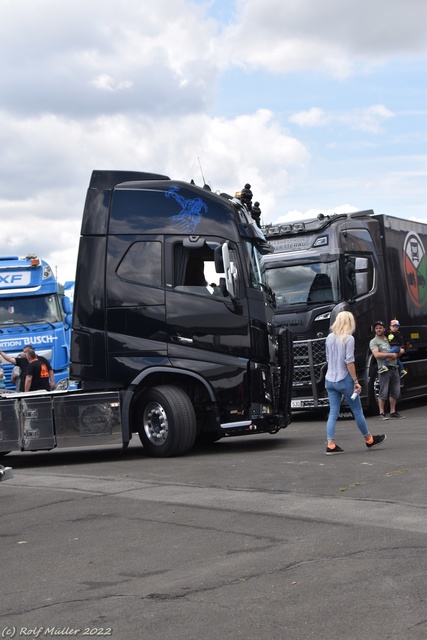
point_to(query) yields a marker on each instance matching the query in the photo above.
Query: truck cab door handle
(182, 339)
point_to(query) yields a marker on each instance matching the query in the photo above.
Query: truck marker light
(321, 242)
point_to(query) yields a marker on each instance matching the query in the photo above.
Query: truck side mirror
(229, 270)
(66, 304)
(362, 276)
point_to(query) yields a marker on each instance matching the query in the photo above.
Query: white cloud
(338, 37)
(61, 54)
(368, 119)
(314, 117)
(84, 85)
(34, 226)
(107, 83)
(167, 56)
(42, 211)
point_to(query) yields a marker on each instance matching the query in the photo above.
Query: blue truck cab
(32, 313)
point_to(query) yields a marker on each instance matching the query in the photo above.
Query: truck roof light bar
(282, 229)
(298, 226)
(322, 221)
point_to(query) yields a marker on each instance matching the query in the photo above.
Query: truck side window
(194, 271)
(142, 264)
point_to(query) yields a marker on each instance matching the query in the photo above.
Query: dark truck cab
(170, 309)
(173, 326)
(372, 265)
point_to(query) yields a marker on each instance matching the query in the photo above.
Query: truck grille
(309, 358)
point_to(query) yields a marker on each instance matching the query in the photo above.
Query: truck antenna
(201, 170)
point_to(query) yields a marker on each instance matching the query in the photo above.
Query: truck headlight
(62, 384)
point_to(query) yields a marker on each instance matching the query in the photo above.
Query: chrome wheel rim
(155, 423)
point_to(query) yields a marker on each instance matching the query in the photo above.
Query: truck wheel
(167, 422)
(373, 390)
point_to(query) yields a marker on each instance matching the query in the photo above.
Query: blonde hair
(344, 326)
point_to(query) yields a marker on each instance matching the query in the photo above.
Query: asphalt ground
(255, 538)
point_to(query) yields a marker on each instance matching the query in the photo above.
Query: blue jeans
(336, 390)
(395, 349)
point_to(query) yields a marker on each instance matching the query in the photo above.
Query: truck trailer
(173, 326)
(33, 314)
(372, 265)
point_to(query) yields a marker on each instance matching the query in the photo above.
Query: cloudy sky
(320, 104)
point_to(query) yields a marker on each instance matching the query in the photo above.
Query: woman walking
(341, 380)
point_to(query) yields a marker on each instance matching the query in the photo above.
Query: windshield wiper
(11, 323)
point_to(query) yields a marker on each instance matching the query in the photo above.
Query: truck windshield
(305, 283)
(29, 310)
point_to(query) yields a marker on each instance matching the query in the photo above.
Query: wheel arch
(156, 376)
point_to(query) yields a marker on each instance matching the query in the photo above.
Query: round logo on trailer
(94, 420)
(415, 268)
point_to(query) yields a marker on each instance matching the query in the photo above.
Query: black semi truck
(173, 326)
(372, 265)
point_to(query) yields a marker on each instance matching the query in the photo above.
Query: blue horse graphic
(191, 213)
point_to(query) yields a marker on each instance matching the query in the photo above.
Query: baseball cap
(395, 323)
(379, 322)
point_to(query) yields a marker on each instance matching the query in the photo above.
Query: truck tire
(373, 390)
(167, 422)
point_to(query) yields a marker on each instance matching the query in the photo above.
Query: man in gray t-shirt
(389, 377)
